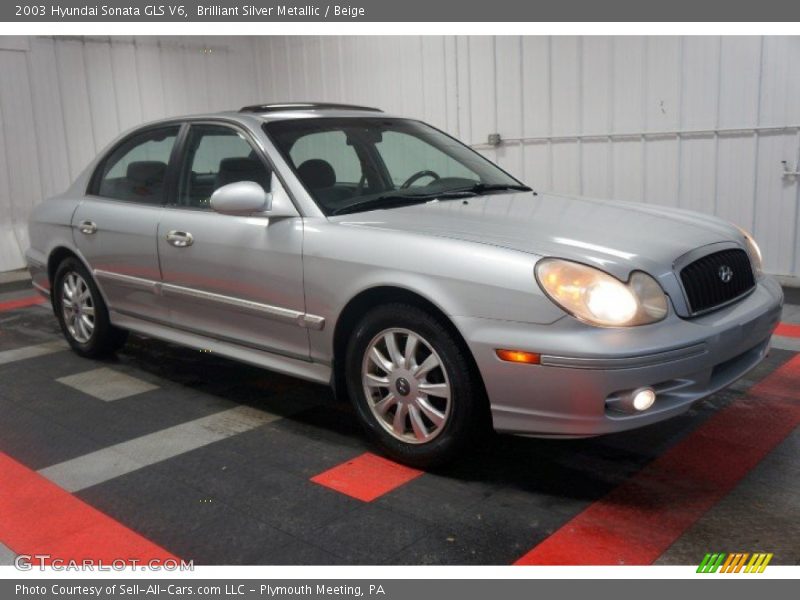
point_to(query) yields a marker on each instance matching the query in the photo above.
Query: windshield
(355, 164)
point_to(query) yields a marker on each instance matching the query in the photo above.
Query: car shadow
(580, 469)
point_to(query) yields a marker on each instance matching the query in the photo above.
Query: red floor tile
(38, 517)
(788, 330)
(366, 477)
(21, 303)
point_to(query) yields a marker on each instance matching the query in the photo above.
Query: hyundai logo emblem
(725, 273)
(403, 387)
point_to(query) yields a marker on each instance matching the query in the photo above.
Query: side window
(404, 155)
(136, 169)
(216, 155)
(325, 159)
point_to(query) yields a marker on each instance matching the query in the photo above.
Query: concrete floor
(223, 463)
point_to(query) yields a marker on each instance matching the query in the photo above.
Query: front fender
(463, 279)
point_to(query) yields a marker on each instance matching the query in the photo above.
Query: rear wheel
(81, 312)
(414, 390)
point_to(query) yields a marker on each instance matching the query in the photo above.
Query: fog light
(643, 398)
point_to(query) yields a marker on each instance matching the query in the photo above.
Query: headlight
(596, 297)
(754, 252)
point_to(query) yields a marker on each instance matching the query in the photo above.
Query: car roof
(305, 110)
(305, 106)
(279, 112)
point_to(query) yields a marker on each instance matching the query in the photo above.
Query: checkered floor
(223, 463)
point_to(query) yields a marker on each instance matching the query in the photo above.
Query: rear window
(136, 170)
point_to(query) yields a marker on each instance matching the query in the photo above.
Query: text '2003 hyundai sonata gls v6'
(345, 246)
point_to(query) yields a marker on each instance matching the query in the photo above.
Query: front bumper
(584, 368)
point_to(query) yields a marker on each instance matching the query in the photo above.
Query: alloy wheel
(77, 307)
(406, 385)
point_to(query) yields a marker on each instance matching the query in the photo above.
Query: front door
(115, 225)
(233, 278)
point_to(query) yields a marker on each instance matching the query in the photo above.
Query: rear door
(115, 225)
(233, 278)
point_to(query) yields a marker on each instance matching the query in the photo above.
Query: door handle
(87, 227)
(180, 239)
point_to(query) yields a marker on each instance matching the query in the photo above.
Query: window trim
(258, 147)
(93, 186)
(172, 196)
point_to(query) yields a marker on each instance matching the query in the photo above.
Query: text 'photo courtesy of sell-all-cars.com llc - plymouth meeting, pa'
(374, 253)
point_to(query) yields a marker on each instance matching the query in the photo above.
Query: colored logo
(739, 562)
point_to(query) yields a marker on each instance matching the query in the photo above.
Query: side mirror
(241, 198)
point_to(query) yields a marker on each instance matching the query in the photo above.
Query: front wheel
(81, 312)
(414, 390)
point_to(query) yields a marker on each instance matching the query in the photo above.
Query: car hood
(618, 236)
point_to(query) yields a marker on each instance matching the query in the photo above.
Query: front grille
(704, 283)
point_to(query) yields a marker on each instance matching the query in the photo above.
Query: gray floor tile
(107, 384)
(26, 352)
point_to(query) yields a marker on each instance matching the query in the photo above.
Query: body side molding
(278, 313)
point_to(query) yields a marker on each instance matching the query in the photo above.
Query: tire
(452, 413)
(87, 329)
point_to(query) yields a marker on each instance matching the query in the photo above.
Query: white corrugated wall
(696, 122)
(63, 100)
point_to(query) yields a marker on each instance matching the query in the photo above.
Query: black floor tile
(106, 423)
(16, 286)
(284, 500)
(183, 519)
(437, 499)
(229, 539)
(26, 327)
(463, 546)
(58, 364)
(37, 441)
(297, 552)
(369, 535)
(157, 497)
(297, 448)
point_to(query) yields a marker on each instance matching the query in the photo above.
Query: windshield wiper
(384, 201)
(394, 200)
(481, 188)
(391, 200)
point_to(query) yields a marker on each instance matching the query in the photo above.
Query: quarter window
(216, 155)
(136, 170)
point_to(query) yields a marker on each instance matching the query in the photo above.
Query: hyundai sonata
(383, 257)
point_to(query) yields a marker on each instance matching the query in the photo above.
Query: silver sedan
(385, 258)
